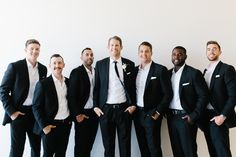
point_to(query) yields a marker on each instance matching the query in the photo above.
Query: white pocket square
(185, 84)
(217, 76)
(128, 73)
(152, 78)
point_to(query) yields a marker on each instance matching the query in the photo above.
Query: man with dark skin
(189, 100)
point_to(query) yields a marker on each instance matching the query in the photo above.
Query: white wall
(67, 26)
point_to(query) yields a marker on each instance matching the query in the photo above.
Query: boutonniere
(124, 66)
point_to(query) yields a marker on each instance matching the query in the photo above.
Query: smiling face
(178, 57)
(56, 65)
(32, 52)
(145, 54)
(87, 57)
(213, 52)
(114, 47)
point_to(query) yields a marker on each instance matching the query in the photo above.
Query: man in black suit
(153, 95)
(51, 110)
(114, 98)
(220, 114)
(16, 93)
(188, 103)
(81, 100)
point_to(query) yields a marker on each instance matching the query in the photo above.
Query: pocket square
(217, 76)
(185, 84)
(152, 78)
(128, 73)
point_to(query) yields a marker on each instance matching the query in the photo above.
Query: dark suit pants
(85, 133)
(21, 126)
(115, 118)
(182, 136)
(55, 142)
(148, 134)
(217, 137)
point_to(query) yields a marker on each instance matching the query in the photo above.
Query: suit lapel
(216, 71)
(85, 76)
(183, 79)
(150, 74)
(52, 88)
(106, 72)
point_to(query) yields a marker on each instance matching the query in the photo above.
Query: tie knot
(115, 62)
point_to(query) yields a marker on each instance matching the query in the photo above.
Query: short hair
(56, 55)
(87, 48)
(145, 43)
(116, 38)
(31, 41)
(181, 48)
(213, 42)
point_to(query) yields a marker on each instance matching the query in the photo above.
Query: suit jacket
(45, 103)
(15, 86)
(102, 81)
(223, 92)
(158, 91)
(193, 92)
(79, 89)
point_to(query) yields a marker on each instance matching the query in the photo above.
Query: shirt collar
(56, 80)
(213, 65)
(88, 71)
(29, 65)
(118, 60)
(147, 66)
(180, 69)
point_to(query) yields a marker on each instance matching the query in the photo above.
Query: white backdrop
(67, 26)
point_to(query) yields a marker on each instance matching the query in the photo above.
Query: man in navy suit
(153, 95)
(220, 114)
(188, 103)
(81, 100)
(16, 93)
(114, 98)
(51, 110)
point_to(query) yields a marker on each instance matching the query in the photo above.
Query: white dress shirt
(116, 92)
(89, 103)
(208, 75)
(141, 80)
(61, 89)
(175, 81)
(33, 79)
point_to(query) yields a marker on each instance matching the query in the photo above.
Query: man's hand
(187, 118)
(98, 111)
(155, 115)
(48, 129)
(81, 117)
(16, 114)
(219, 120)
(130, 109)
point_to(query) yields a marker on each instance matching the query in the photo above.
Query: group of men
(113, 94)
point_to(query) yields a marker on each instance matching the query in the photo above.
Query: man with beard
(81, 99)
(189, 100)
(220, 114)
(51, 110)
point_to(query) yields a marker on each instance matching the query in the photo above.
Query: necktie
(116, 69)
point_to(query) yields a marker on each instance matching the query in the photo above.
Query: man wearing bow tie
(220, 114)
(189, 100)
(114, 98)
(153, 95)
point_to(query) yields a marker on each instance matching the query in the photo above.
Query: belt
(140, 108)
(67, 120)
(176, 112)
(116, 106)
